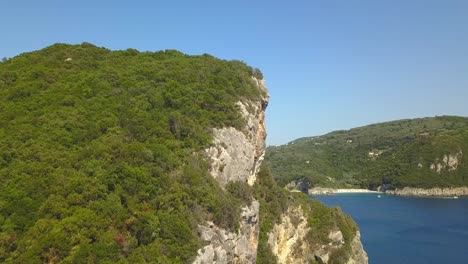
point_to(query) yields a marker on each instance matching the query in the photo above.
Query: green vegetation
(275, 200)
(100, 157)
(393, 154)
(98, 153)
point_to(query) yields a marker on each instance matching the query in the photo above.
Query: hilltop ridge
(148, 157)
(423, 152)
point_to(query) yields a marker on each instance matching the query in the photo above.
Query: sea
(416, 230)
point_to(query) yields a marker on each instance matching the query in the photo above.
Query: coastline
(433, 192)
(406, 191)
(320, 191)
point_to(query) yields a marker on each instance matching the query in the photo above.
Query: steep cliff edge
(236, 156)
(106, 155)
(143, 157)
(296, 239)
(274, 221)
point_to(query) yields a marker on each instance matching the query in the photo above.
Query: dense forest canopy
(102, 161)
(423, 152)
(100, 153)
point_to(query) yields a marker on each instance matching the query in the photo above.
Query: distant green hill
(423, 152)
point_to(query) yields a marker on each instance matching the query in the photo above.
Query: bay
(396, 229)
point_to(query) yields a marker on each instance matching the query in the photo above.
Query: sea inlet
(413, 230)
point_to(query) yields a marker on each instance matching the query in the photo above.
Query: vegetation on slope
(98, 153)
(274, 201)
(395, 154)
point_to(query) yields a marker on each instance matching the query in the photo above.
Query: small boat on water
(455, 197)
(378, 196)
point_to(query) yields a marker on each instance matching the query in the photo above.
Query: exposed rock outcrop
(288, 242)
(448, 162)
(408, 191)
(236, 155)
(321, 191)
(300, 185)
(358, 254)
(228, 247)
(288, 237)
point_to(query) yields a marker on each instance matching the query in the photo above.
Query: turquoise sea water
(414, 230)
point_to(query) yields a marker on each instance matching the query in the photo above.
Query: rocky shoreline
(406, 191)
(320, 191)
(435, 192)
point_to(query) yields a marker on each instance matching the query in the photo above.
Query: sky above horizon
(328, 64)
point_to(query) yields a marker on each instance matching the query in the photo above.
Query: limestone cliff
(358, 255)
(301, 185)
(228, 247)
(448, 162)
(289, 243)
(288, 236)
(135, 188)
(236, 156)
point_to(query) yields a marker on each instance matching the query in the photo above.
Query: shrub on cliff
(321, 220)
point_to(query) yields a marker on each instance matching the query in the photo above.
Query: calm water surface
(412, 230)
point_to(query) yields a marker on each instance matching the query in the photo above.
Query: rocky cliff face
(228, 247)
(236, 156)
(301, 185)
(448, 162)
(288, 237)
(289, 244)
(358, 255)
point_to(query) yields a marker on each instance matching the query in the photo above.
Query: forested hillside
(102, 160)
(423, 152)
(99, 153)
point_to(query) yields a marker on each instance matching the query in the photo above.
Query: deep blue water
(414, 230)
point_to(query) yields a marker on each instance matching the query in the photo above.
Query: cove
(396, 229)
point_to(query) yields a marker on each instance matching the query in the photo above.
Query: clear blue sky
(329, 64)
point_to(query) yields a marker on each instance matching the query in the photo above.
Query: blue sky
(329, 64)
